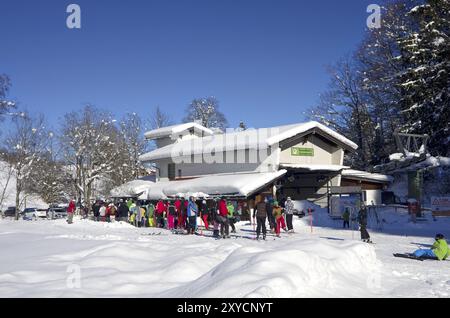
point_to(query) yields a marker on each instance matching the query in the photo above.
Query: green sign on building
(302, 152)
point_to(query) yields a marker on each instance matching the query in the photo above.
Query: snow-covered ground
(88, 259)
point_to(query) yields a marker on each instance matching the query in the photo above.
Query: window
(171, 171)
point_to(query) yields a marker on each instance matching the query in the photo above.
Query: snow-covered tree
(133, 146)
(379, 58)
(206, 112)
(89, 139)
(5, 105)
(425, 102)
(398, 79)
(53, 175)
(25, 145)
(344, 108)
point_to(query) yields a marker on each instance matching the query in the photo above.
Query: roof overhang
(229, 185)
(238, 185)
(366, 176)
(171, 131)
(313, 168)
(313, 128)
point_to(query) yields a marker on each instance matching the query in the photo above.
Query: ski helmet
(440, 236)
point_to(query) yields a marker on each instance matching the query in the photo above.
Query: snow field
(118, 260)
(39, 259)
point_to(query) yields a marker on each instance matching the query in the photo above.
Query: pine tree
(425, 102)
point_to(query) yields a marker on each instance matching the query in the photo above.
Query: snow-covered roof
(135, 188)
(364, 175)
(305, 127)
(258, 139)
(176, 129)
(241, 184)
(334, 168)
(238, 185)
(413, 164)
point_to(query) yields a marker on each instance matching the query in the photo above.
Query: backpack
(172, 210)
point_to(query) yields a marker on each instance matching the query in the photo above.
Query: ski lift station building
(303, 161)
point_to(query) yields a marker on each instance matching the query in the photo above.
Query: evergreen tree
(425, 102)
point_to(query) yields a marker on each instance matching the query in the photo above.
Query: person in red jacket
(183, 211)
(179, 220)
(223, 218)
(161, 208)
(70, 211)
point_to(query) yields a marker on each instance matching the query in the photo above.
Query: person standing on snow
(289, 211)
(143, 210)
(70, 211)
(133, 213)
(204, 213)
(103, 212)
(439, 249)
(346, 218)
(113, 213)
(260, 214)
(161, 208)
(269, 210)
(214, 212)
(151, 215)
(279, 218)
(192, 212)
(362, 218)
(183, 209)
(123, 211)
(230, 216)
(171, 215)
(223, 218)
(179, 220)
(96, 210)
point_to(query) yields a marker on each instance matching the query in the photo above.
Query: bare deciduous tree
(206, 112)
(159, 119)
(89, 143)
(25, 145)
(5, 105)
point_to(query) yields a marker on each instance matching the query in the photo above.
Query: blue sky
(264, 60)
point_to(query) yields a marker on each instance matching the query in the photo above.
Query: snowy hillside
(9, 198)
(118, 260)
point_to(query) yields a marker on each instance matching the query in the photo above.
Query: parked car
(56, 213)
(10, 212)
(33, 214)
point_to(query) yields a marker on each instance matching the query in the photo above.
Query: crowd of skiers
(217, 214)
(182, 215)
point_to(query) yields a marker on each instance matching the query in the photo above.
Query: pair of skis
(413, 257)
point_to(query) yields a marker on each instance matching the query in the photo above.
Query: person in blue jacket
(192, 212)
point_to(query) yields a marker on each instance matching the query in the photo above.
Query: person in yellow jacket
(279, 218)
(439, 249)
